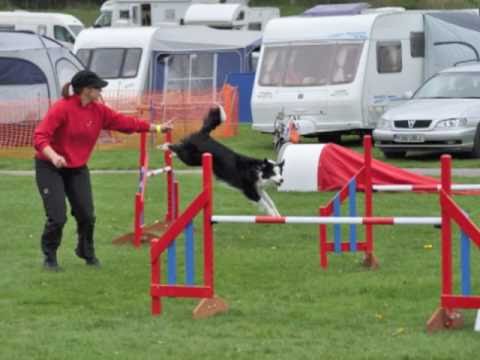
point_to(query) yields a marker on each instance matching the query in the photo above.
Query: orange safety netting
(184, 109)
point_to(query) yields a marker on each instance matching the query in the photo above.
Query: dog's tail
(214, 118)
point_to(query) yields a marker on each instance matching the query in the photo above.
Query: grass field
(282, 305)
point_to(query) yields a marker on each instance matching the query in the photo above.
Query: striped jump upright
(333, 208)
(447, 316)
(141, 231)
(210, 304)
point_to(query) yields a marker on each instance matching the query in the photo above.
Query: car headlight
(451, 123)
(383, 123)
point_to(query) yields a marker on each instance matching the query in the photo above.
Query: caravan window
(111, 63)
(105, 19)
(345, 63)
(124, 14)
(107, 62)
(84, 56)
(389, 57)
(255, 26)
(62, 34)
(130, 66)
(417, 44)
(273, 65)
(310, 65)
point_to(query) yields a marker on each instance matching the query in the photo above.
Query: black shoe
(50, 263)
(94, 262)
(90, 261)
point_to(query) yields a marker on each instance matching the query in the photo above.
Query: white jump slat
(159, 171)
(408, 188)
(326, 220)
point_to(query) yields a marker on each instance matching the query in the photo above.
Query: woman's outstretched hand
(163, 128)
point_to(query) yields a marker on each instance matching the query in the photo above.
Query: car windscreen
(310, 64)
(450, 85)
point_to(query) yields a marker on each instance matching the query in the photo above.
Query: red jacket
(72, 129)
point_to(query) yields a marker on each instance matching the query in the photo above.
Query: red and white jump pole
(424, 188)
(326, 220)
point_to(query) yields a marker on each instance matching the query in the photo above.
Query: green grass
(247, 142)
(282, 305)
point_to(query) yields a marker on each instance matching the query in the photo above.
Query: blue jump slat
(352, 211)
(465, 263)
(189, 255)
(172, 263)
(337, 231)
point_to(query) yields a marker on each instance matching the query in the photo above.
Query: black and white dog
(247, 174)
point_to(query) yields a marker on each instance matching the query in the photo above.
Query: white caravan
(230, 16)
(120, 55)
(143, 12)
(193, 56)
(61, 27)
(337, 74)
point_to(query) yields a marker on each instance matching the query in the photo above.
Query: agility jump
(445, 317)
(141, 232)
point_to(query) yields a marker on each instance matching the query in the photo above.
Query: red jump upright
(447, 316)
(141, 232)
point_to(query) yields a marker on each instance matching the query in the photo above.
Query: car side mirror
(408, 94)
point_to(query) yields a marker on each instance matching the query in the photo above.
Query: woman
(64, 140)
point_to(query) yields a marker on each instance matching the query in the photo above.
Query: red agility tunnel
(328, 167)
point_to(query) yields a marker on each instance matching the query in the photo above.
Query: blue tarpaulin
(244, 84)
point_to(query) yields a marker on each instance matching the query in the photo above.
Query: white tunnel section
(301, 166)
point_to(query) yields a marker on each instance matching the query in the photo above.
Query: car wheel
(475, 153)
(394, 154)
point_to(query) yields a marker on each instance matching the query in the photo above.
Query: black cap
(87, 78)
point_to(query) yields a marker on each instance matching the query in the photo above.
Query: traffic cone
(293, 131)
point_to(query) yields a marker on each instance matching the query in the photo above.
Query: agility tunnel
(328, 167)
(445, 317)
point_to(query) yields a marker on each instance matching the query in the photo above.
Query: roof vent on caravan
(386, 9)
(337, 9)
(222, 16)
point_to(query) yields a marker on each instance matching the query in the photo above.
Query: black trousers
(55, 185)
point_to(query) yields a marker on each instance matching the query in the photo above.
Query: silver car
(443, 114)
